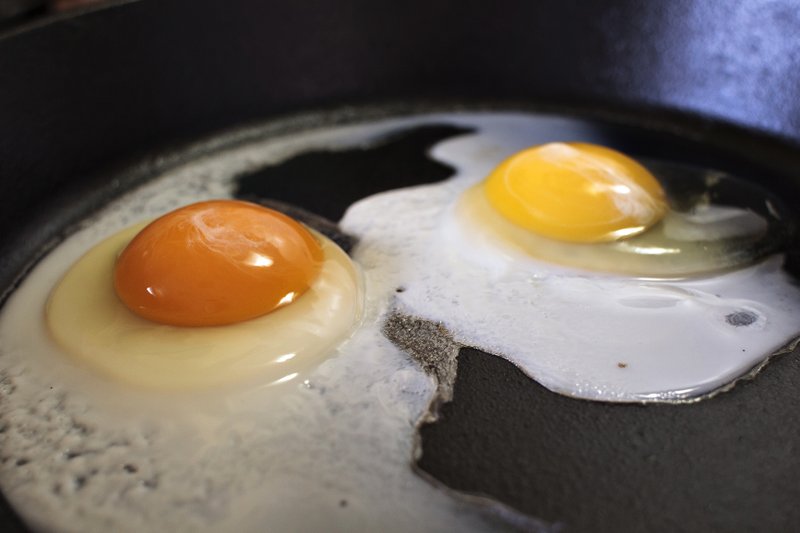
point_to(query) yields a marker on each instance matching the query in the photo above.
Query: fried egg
(211, 294)
(87, 447)
(568, 260)
(590, 207)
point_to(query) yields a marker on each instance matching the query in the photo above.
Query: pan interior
(563, 438)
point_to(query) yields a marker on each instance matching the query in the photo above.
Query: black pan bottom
(730, 463)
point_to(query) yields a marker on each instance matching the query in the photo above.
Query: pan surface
(89, 104)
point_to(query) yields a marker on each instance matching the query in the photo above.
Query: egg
(213, 293)
(544, 260)
(100, 442)
(589, 207)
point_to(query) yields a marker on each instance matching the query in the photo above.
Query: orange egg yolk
(576, 192)
(216, 262)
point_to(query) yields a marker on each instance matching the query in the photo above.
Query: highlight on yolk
(216, 262)
(576, 192)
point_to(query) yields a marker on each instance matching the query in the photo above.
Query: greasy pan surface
(698, 81)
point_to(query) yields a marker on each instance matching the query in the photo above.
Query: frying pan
(95, 102)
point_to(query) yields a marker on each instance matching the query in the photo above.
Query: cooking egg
(568, 260)
(589, 207)
(209, 294)
(98, 437)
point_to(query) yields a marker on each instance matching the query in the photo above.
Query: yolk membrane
(216, 262)
(576, 192)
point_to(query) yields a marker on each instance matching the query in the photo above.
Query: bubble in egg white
(333, 452)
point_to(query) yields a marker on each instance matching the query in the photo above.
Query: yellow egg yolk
(216, 262)
(576, 192)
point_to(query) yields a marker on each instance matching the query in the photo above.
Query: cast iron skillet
(716, 82)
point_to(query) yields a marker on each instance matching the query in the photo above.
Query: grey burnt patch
(430, 344)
